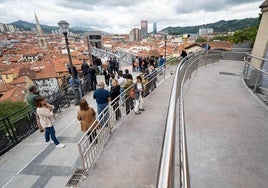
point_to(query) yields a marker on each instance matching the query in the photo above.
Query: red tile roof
(15, 94)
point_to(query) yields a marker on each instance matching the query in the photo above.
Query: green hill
(27, 26)
(220, 26)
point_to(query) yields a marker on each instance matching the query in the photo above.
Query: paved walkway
(227, 130)
(32, 163)
(132, 155)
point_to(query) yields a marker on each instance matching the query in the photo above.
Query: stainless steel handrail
(90, 150)
(186, 67)
(167, 167)
(249, 63)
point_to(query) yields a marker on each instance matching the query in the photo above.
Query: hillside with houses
(25, 60)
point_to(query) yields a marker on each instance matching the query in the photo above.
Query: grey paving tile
(62, 156)
(57, 182)
(6, 176)
(19, 181)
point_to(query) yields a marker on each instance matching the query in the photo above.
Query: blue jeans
(50, 133)
(104, 117)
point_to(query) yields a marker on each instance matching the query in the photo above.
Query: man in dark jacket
(84, 68)
(92, 76)
(102, 97)
(30, 99)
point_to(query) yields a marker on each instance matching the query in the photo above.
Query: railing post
(244, 71)
(257, 81)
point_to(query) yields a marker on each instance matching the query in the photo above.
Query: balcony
(216, 124)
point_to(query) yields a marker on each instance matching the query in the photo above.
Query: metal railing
(173, 168)
(256, 78)
(22, 123)
(16, 127)
(92, 142)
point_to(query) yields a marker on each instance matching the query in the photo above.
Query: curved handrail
(166, 169)
(87, 146)
(249, 63)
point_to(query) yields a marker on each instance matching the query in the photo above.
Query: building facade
(144, 29)
(155, 28)
(205, 31)
(94, 39)
(135, 35)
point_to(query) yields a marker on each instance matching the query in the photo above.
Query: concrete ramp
(131, 157)
(227, 130)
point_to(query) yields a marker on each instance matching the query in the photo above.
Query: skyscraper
(144, 29)
(135, 35)
(154, 28)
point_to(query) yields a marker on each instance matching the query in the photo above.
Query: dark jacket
(115, 92)
(85, 68)
(137, 91)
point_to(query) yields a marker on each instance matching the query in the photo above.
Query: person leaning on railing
(138, 89)
(102, 97)
(128, 99)
(30, 98)
(87, 116)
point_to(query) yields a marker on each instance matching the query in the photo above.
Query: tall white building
(144, 29)
(154, 28)
(135, 35)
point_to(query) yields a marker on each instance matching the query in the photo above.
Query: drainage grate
(75, 178)
(229, 73)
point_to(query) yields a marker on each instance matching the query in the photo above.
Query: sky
(120, 16)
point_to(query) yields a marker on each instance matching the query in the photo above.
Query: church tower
(39, 34)
(38, 26)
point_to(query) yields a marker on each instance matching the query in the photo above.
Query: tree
(201, 39)
(221, 38)
(9, 107)
(245, 35)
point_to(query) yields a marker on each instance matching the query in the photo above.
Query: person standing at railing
(114, 93)
(84, 68)
(183, 53)
(106, 75)
(138, 89)
(46, 115)
(93, 79)
(102, 97)
(127, 73)
(30, 98)
(152, 77)
(147, 82)
(161, 63)
(87, 115)
(121, 81)
(128, 99)
(72, 83)
(98, 63)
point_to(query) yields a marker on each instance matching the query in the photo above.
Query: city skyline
(121, 16)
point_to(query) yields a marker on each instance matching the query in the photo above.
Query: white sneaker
(49, 142)
(60, 145)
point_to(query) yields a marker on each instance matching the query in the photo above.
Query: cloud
(91, 4)
(191, 6)
(120, 16)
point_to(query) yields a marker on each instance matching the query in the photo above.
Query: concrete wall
(261, 42)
